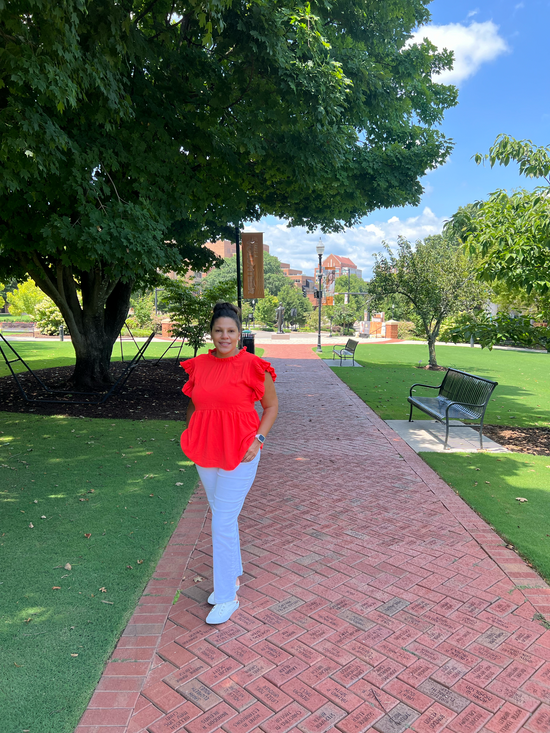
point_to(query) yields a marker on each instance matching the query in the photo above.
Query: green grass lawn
(492, 491)
(522, 397)
(45, 354)
(114, 480)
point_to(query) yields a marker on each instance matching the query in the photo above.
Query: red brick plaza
(373, 597)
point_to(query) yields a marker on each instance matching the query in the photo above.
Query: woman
(224, 438)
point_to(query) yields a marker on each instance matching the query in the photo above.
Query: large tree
(509, 233)
(131, 132)
(435, 276)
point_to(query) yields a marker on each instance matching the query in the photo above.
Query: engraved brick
(233, 694)
(417, 672)
(483, 698)
(220, 671)
(271, 652)
(352, 672)
(532, 688)
(186, 673)
(270, 695)
(248, 719)
(212, 720)
(208, 653)
(365, 653)
(286, 720)
(517, 697)
(509, 719)
(460, 655)
(543, 675)
(162, 696)
(272, 619)
(446, 697)
(470, 720)
(384, 620)
(515, 674)
(520, 655)
(360, 720)
(375, 635)
(493, 637)
(339, 695)
(306, 653)
(289, 633)
(502, 607)
(286, 671)
(394, 652)
(434, 720)
(407, 694)
(284, 607)
(252, 671)
(356, 620)
(258, 634)
(431, 655)
(323, 719)
(450, 673)
(384, 672)
(225, 634)
(304, 695)
(397, 720)
(392, 607)
(491, 655)
(482, 673)
(333, 652)
(176, 719)
(540, 721)
(199, 694)
(238, 651)
(319, 671)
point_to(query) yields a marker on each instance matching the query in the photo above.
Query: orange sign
(253, 264)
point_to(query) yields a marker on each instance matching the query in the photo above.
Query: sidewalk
(373, 597)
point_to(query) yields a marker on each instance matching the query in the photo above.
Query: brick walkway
(373, 598)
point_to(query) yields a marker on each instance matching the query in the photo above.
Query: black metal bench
(348, 352)
(462, 396)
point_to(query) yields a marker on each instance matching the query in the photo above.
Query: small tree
(344, 315)
(292, 297)
(24, 299)
(265, 310)
(356, 303)
(436, 277)
(49, 318)
(191, 309)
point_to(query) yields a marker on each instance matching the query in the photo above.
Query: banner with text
(253, 264)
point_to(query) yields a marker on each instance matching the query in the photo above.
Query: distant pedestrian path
(373, 597)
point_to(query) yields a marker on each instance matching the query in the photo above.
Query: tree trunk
(93, 341)
(94, 308)
(431, 349)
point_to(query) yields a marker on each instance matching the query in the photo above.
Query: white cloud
(297, 246)
(473, 45)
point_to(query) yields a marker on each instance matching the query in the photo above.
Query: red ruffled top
(224, 423)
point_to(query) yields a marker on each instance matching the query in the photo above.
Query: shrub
(49, 318)
(406, 330)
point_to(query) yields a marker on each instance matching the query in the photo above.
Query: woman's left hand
(252, 452)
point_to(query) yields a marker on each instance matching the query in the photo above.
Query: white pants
(226, 492)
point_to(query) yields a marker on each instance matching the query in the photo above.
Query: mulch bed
(520, 440)
(152, 392)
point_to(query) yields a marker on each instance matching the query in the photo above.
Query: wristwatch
(260, 438)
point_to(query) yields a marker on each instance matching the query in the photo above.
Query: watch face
(261, 438)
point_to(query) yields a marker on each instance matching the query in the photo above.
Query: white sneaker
(211, 600)
(222, 612)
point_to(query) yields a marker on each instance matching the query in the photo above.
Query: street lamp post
(320, 250)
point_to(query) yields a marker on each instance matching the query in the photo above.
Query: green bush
(406, 330)
(49, 318)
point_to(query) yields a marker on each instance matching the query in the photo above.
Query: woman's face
(225, 335)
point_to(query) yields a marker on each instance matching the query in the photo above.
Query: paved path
(373, 598)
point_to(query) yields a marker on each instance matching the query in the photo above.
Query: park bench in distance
(348, 352)
(462, 396)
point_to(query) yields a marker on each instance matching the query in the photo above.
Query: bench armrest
(465, 404)
(431, 386)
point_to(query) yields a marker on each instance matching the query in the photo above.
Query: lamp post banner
(253, 264)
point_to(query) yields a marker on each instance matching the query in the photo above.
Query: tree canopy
(435, 276)
(509, 233)
(130, 133)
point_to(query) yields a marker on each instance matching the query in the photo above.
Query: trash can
(248, 341)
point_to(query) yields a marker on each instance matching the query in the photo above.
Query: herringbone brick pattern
(373, 598)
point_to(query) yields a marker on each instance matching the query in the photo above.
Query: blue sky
(501, 70)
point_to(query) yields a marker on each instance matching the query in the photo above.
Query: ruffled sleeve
(257, 376)
(189, 366)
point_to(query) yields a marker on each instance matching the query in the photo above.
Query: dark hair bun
(226, 310)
